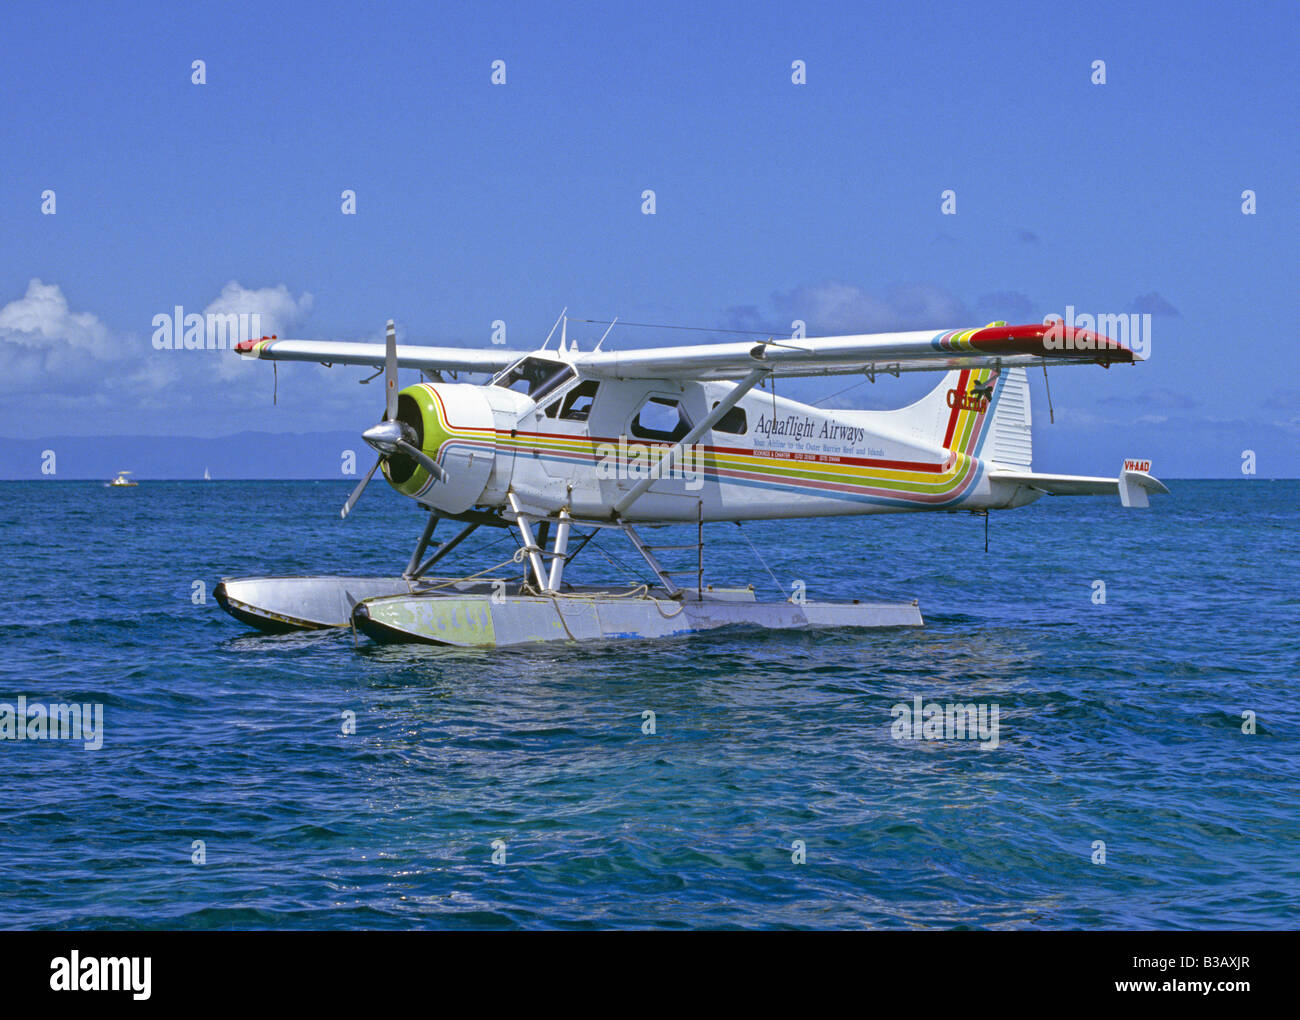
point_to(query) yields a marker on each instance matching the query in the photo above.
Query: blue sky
(774, 201)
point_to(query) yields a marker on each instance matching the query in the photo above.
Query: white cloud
(42, 338)
(42, 318)
(276, 308)
(55, 358)
(279, 310)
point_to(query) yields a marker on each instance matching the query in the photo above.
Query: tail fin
(982, 412)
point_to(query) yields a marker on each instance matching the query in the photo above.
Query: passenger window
(661, 418)
(733, 421)
(576, 406)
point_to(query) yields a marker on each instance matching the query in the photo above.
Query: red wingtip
(1063, 341)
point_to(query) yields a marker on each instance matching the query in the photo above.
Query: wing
(923, 350)
(343, 352)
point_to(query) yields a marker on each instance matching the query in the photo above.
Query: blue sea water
(1119, 722)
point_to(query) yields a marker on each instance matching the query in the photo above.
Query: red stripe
(952, 417)
(811, 458)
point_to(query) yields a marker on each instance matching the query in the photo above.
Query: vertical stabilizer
(982, 412)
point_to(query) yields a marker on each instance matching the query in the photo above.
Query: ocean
(1145, 771)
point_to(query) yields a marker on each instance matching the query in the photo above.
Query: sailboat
(206, 477)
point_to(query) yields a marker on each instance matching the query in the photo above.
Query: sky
(773, 201)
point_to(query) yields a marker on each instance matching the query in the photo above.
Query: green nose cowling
(433, 435)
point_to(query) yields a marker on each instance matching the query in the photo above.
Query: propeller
(391, 436)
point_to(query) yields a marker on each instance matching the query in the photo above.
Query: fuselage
(561, 441)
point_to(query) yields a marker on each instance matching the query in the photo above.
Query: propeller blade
(356, 493)
(430, 465)
(390, 372)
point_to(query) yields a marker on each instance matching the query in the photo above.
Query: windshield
(535, 377)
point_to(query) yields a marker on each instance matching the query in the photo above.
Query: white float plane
(561, 444)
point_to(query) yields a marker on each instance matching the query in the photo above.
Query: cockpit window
(535, 376)
(576, 404)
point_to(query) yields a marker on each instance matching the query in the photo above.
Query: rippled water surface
(1119, 722)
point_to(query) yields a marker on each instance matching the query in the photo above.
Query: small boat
(122, 481)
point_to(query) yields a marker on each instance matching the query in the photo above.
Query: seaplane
(559, 445)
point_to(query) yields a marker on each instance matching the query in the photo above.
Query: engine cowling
(453, 424)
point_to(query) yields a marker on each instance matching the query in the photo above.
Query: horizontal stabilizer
(1133, 486)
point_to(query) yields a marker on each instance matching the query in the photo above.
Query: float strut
(443, 550)
(530, 544)
(420, 546)
(561, 547)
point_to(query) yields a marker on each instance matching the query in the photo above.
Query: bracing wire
(860, 382)
(760, 559)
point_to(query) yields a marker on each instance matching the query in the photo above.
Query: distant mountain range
(243, 455)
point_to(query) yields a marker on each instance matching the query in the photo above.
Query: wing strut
(670, 455)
